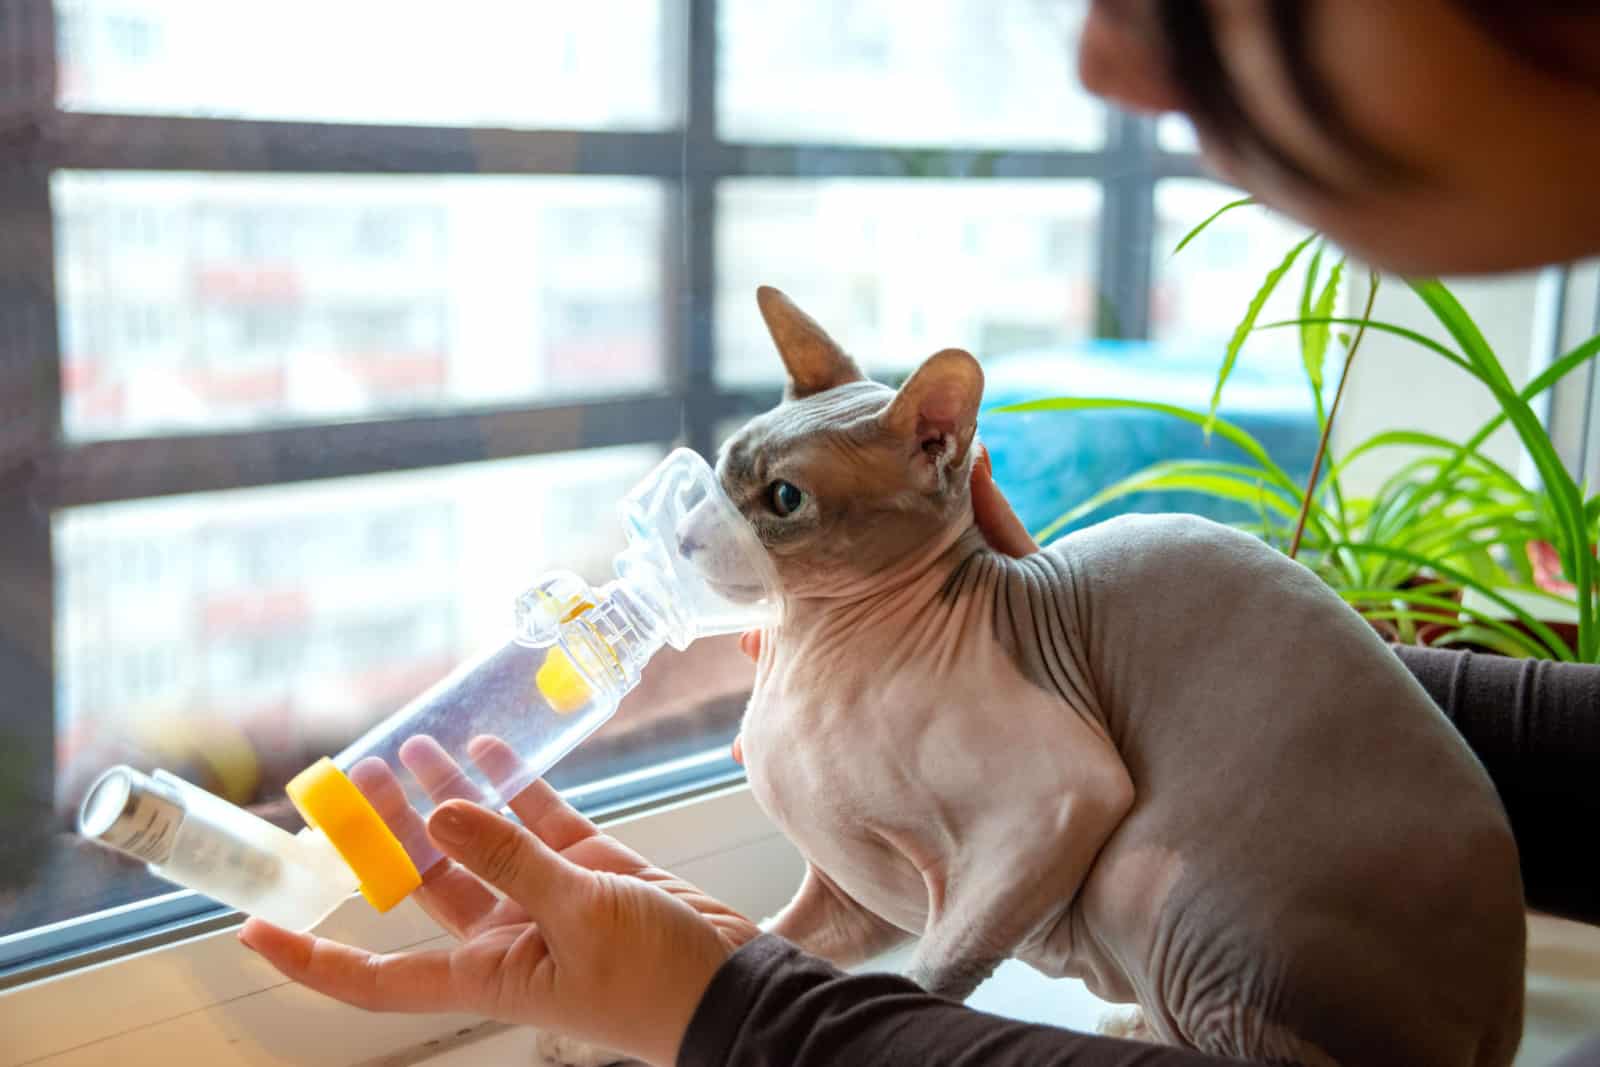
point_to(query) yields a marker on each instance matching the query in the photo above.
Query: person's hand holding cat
(1000, 525)
(592, 941)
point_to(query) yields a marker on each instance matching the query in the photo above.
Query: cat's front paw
(1129, 1024)
(553, 1050)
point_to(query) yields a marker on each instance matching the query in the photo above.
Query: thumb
(507, 856)
(1000, 525)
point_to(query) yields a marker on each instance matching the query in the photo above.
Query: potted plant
(1451, 548)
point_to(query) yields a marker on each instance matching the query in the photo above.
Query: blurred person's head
(1423, 135)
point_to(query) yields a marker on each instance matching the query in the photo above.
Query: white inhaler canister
(200, 841)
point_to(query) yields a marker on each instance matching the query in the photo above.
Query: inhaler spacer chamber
(692, 567)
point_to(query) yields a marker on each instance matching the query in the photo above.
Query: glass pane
(233, 638)
(1175, 133)
(601, 64)
(1199, 295)
(940, 72)
(196, 301)
(897, 270)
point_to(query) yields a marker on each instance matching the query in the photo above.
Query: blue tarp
(1048, 462)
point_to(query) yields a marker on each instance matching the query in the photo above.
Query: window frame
(43, 473)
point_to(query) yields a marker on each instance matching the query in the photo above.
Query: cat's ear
(936, 412)
(814, 361)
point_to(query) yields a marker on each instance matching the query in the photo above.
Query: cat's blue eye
(784, 498)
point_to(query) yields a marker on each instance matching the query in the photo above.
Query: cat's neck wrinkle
(905, 591)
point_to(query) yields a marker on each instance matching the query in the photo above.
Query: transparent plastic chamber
(692, 568)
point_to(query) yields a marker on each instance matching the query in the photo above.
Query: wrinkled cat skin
(1158, 756)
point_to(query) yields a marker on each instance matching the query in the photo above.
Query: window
(961, 72)
(251, 299)
(303, 377)
(365, 61)
(1197, 297)
(899, 266)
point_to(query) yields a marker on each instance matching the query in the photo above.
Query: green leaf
(1241, 332)
(1307, 299)
(1475, 635)
(1380, 326)
(1419, 439)
(1423, 564)
(1314, 334)
(1573, 542)
(1397, 604)
(1209, 219)
(1560, 368)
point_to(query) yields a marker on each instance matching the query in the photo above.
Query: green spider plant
(1440, 551)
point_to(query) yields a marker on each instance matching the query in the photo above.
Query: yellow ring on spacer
(329, 801)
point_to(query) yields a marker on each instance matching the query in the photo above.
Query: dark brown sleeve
(771, 1005)
(1535, 725)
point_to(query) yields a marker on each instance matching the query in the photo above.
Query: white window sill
(209, 1000)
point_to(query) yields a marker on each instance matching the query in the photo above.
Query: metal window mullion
(822, 160)
(697, 221)
(30, 414)
(80, 141)
(129, 469)
(1127, 222)
(27, 62)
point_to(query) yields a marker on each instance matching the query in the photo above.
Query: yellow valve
(330, 802)
(561, 684)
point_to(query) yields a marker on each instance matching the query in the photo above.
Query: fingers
(388, 798)
(436, 772)
(509, 858)
(409, 981)
(455, 899)
(539, 806)
(1000, 525)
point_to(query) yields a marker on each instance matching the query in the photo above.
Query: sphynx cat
(1158, 756)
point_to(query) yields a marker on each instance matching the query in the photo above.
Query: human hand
(1000, 525)
(591, 941)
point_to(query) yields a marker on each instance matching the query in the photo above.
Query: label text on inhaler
(149, 829)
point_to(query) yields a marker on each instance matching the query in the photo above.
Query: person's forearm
(1535, 725)
(771, 1005)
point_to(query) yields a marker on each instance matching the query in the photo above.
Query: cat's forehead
(843, 410)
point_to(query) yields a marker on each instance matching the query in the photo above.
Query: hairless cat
(1159, 756)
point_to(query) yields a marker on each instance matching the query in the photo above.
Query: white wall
(1567, 416)
(1396, 384)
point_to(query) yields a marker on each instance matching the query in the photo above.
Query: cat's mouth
(737, 592)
